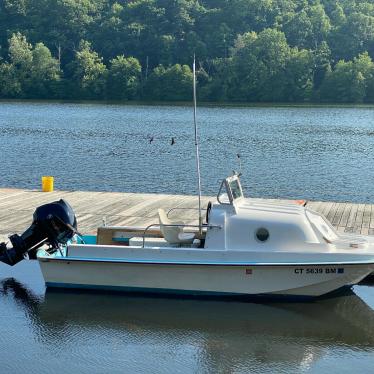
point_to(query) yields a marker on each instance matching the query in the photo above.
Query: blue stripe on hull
(186, 293)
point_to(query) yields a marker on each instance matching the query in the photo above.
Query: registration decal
(317, 270)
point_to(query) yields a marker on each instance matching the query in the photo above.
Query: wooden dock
(122, 209)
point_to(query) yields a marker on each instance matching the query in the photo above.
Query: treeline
(246, 50)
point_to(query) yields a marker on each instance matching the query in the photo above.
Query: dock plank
(352, 215)
(346, 212)
(359, 218)
(366, 217)
(331, 213)
(338, 214)
(325, 207)
(121, 209)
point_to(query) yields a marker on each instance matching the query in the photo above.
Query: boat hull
(202, 279)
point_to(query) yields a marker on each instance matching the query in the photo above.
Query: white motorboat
(246, 247)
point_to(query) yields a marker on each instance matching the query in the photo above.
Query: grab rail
(177, 225)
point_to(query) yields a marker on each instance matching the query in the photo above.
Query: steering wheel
(208, 209)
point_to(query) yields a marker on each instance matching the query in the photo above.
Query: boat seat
(174, 235)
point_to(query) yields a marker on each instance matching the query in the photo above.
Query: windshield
(236, 191)
(230, 190)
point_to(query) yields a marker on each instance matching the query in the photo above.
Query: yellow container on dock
(47, 184)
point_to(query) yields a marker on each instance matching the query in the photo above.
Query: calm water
(44, 332)
(312, 153)
(316, 153)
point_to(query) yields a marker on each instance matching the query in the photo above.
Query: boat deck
(137, 209)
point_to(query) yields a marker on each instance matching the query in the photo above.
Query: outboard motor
(53, 224)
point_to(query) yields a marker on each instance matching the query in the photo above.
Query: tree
(322, 58)
(215, 86)
(145, 23)
(308, 27)
(354, 36)
(337, 14)
(299, 76)
(89, 73)
(172, 84)
(10, 86)
(31, 72)
(124, 78)
(62, 24)
(348, 82)
(45, 73)
(19, 69)
(13, 17)
(110, 35)
(20, 53)
(364, 64)
(259, 63)
(247, 50)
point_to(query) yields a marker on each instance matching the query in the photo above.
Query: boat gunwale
(194, 263)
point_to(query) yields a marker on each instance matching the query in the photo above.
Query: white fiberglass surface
(322, 225)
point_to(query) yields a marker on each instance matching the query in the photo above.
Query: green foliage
(45, 73)
(354, 36)
(215, 87)
(299, 76)
(124, 78)
(171, 84)
(20, 53)
(247, 50)
(10, 86)
(30, 72)
(308, 27)
(348, 82)
(89, 73)
(259, 63)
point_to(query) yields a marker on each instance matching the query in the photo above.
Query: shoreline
(189, 104)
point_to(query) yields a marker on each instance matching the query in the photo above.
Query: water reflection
(11, 287)
(222, 336)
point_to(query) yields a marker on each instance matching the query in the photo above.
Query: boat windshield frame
(233, 189)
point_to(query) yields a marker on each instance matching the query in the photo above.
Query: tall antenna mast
(197, 143)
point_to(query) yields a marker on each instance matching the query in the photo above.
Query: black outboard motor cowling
(54, 223)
